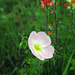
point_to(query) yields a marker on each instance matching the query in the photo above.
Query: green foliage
(15, 27)
(67, 66)
(73, 64)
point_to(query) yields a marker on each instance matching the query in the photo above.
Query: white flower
(39, 44)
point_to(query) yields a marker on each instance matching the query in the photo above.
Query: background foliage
(15, 27)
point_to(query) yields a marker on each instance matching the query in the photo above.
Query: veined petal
(44, 38)
(47, 52)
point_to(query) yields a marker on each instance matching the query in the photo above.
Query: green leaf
(9, 58)
(67, 66)
(72, 68)
(22, 71)
(20, 45)
(73, 62)
(23, 62)
(15, 69)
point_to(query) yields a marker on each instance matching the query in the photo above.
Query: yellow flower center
(37, 47)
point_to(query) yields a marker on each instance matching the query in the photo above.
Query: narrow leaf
(67, 66)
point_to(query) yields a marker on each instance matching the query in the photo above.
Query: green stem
(47, 21)
(56, 23)
(72, 21)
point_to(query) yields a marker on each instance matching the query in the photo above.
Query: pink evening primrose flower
(39, 44)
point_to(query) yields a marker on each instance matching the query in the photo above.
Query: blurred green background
(17, 22)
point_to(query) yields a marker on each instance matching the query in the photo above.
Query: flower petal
(52, 3)
(66, 4)
(44, 38)
(35, 53)
(32, 38)
(47, 52)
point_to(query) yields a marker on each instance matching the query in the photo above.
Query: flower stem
(56, 23)
(72, 22)
(47, 21)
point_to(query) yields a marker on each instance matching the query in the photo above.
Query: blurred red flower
(51, 3)
(66, 4)
(42, 5)
(73, 1)
(51, 25)
(48, 4)
(46, 1)
(50, 32)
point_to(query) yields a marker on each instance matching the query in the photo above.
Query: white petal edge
(47, 52)
(32, 38)
(44, 38)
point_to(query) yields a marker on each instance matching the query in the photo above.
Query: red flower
(51, 25)
(66, 4)
(46, 1)
(42, 5)
(73, 1)
(51, 3)
(48, 4)
(49, 33)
